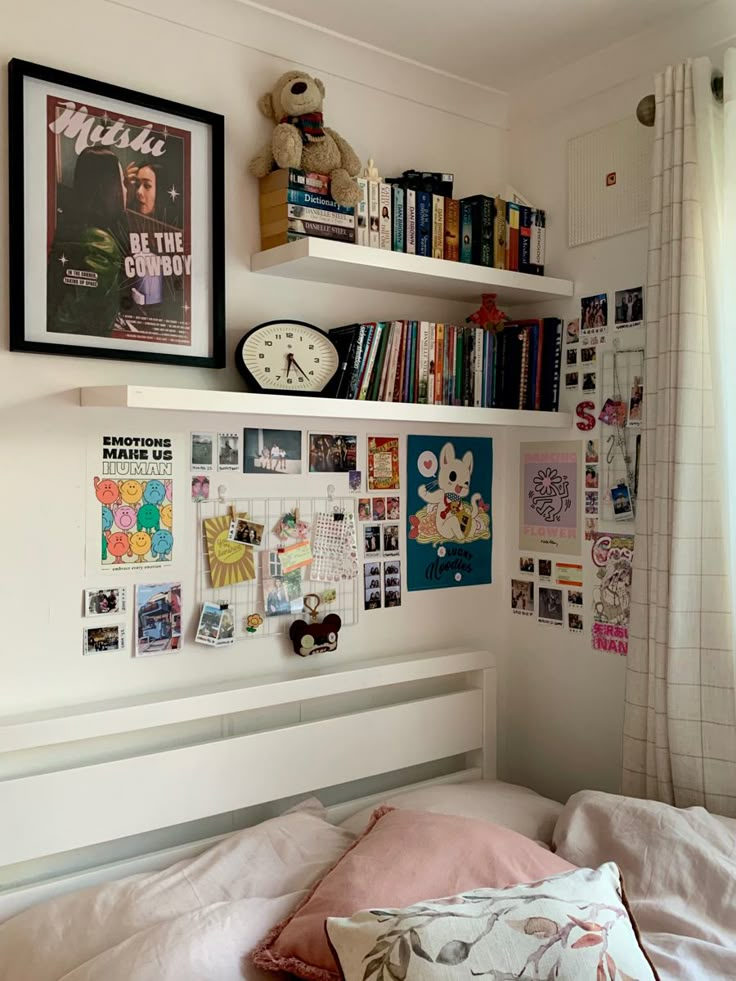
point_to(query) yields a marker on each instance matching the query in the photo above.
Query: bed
(166, 837)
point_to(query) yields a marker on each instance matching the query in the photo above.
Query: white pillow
(276, 862)
(518, 808)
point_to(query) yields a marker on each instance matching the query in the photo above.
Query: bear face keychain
(314, 637)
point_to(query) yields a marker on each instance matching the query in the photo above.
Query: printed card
(383, 463)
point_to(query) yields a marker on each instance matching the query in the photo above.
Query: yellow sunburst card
(230, 562)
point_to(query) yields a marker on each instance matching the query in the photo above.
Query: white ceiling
(498, 43)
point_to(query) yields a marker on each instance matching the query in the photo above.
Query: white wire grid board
(619, 371)
(244, 598)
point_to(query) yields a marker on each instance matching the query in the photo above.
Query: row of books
(400, 215)
(517, 367)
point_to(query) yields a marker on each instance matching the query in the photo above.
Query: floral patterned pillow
(575, 926)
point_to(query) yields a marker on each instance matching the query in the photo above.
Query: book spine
(469, 375)
(512, 235)
(478, 368)
(311, 200)
(370, 362)
(410, 363)
(303, 213)
(423, 363)
(438, 227)
(439, 363)
(301, 227)
(411, 221)
(300, 180)
(357, 362)
(525, 238)
(424, 223)
(499, 234)
(361, 213)
(459, 343)
(466, 231)
(399, 219)
(481, 213)
(557, 339)
(432, 363)
(523, 368)
(389, 387)
(536, 263)
(398, 395)
(385, 227)
(374, 212)
(452, 229)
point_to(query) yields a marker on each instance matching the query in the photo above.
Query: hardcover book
(304, 213)
(281, 232)
(289, 195)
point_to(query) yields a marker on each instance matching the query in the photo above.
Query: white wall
(221, 56)
(571, 695)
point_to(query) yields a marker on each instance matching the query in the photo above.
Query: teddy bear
(301, 140)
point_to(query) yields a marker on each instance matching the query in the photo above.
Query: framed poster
(449, 531)
(550, 497)
(116, 222)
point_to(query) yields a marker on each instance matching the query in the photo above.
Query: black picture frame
(210, 136)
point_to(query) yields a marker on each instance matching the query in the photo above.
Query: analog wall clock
(287, 357)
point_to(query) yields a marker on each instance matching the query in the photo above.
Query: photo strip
(392, 583)
(372, 585)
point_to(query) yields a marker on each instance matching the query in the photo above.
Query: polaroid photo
(227, 629)
(550, 606)
(157, 618)
(200, 488)
(371, 585)
(591, 529)
(571, 379)
(522, 597)
(202, 451)
(283, 592)
(588, 354)
(635, 402)
(208, 627)
(594, 312)
(572, 331)
(391, 584)
(591, 476)
(623, 508)
(331, 453)
(574, 597)
(572, 356)
(526, 565)
(391, 539)
(106, 601)
(591, 502)
(365, 511)
(393, 508)
(272, 451)
(228, 451)
(589, 381)
(103, 640)
(355, 481)
(372, 539)
(630, 307)
(379, 508)
(613, 413)
(591, 451)
(574, 622)
(545, 568)
(246, 532)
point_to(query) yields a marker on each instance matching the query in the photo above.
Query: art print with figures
(550, 497)
(116, 225)
(449, 528)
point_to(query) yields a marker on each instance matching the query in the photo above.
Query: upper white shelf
(294, 406)
(319, 260)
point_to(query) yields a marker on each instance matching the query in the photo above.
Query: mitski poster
(550, 480)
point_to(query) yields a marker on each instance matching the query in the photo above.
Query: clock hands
(292, 361)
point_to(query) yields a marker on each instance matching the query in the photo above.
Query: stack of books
(416, 213)
(517, 367)
(295, 203)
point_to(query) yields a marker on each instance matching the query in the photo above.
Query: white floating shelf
(342, 264)
(295, 406)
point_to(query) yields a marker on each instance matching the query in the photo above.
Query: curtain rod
(646, 110)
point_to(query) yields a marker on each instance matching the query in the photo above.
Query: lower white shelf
(292, 406)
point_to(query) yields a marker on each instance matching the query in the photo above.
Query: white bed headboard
(77, 785)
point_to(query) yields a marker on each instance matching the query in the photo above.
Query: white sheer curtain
(680, 713)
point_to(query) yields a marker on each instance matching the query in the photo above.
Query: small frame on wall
(116, 222)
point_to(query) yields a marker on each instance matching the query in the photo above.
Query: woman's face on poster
(145, 192)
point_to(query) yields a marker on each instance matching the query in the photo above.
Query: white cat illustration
(452, 517)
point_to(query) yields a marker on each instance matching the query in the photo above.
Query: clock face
(290, 357)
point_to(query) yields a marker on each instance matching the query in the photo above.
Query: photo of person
(247, 532)
(228, 446)
(372, 539)
(591, 502)
(526, 565)
(589, 381)
(545, 568)
(591, 527)
(393, 508)
(575, 597)
(571, 379)
(591, 477)
(200, 488)
(202, 451)
(272, 451)
(522, 596)
(572, 331)
(392, 584)
(572, 355)
(591, 451)
(371, 585)
(332, 453)
(575, 622)
(587, 354)
(594, 311)
(390, 539)
(379, 508)
(550, 605)
(364, 509)
(630, 307)
(98, 640)
(635, 402)
(102, 602)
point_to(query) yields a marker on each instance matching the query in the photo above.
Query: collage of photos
(550, 590)
(102, 605)
(209, 452)
(381, 584)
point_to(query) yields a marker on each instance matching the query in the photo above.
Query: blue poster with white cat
(449, 533)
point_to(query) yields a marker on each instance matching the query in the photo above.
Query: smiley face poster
(449, 530)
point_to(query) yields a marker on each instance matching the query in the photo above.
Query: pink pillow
(401, 858)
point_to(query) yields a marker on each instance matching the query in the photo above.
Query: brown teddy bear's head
(294, 94)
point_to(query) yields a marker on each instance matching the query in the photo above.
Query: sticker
(202, 451)
(572, 331)
(574, 622)
(355, 481)
(572, 379)
(591, 451)
(272, 451)
(629, 307)
(329, 453)
(613, 557)
(545, 569)
(590, 382)
(104, 601)
(103, 640)
(594, 316)
(157, 618)
(371, 585)
(391, 584)
(571, 356)
(591, 502)
(635, 402)
(522, 597)
(230, 562)
(383, 463)
(623, 508)
(568, 574)
(290, 527)
(587, 355)
(390, 539)
(550, 606)
(379, 508)
(526, 565)
(365, 511)
(248, 532)
(253, 622)
(228, 451)
(200, 488)
(334, 547)
(550, 478)
(591, 476)
(372, 539)
(393, 508)
(586, 420)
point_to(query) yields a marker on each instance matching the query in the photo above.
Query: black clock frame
(255, 386)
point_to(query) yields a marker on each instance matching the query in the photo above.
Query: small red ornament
(488, 315)
(586, 420)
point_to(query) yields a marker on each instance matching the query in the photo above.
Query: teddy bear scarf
(309, 126)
